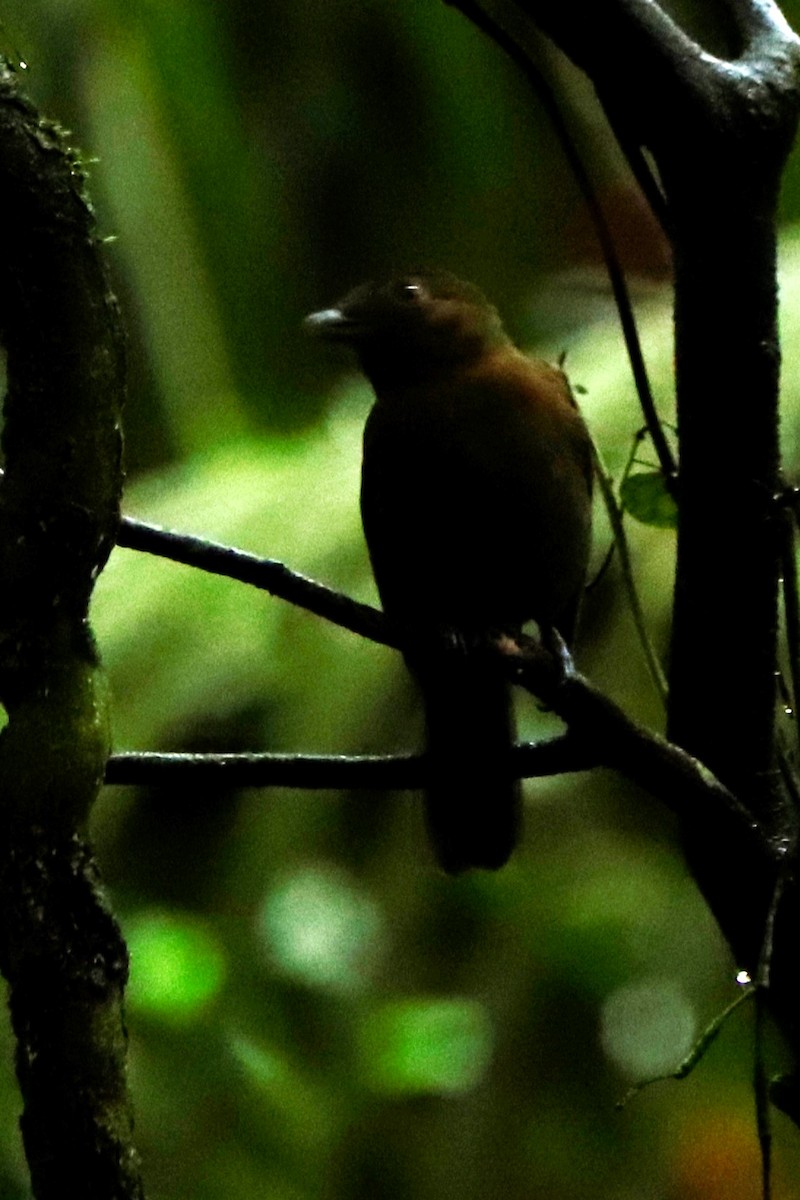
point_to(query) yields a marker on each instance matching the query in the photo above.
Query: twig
(600, 733)
(791, 608)
(669, 773)
(697, 1052)
(761, 1095)
(654, 667)
(334, 772)
(264, 573)
(475, 13)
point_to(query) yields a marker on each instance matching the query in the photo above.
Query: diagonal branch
(759, 21)
(264, 573)
(625, 46)
(600, 733)
(719, 132)
(661, 85)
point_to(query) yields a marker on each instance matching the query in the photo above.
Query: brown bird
(476, 504)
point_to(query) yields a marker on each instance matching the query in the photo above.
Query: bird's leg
(461, 643)
(440, 641)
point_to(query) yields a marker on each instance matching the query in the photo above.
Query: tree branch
(328, 772)
(599, 734)
(719, 132)
(60, 949)
(761, 24)
(475, 11)
(264, 573)
(630, 48)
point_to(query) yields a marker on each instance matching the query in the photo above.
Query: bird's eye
(411, 292)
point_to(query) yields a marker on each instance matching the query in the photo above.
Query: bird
(476, 504)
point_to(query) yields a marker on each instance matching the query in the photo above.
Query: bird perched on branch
(476, 504)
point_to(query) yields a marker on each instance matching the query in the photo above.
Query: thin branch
(615, 518)
(475, 13)
(264, 573)
(599, 734)
(643, 172)
(677, 779)
(697, 1052)
(604, 734)
(791, 609)
(328, 772)
(307, 771)
(761, 1084)
(719, 133)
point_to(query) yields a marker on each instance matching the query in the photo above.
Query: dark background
(315, 1012)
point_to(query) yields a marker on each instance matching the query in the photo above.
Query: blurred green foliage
(314, 1011)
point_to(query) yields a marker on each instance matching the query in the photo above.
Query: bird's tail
(472, 806)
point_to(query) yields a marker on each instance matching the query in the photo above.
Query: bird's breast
(476, 501)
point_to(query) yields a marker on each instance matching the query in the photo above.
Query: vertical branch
(719, 131)
(726, 594)
(60, 949)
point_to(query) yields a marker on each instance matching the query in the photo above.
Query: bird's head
(414, 324)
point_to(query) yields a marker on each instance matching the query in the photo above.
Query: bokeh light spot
(320, 929)
(177, 966)
(647, 1027)
(427, 1045)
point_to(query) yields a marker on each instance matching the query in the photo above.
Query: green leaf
(646, 498)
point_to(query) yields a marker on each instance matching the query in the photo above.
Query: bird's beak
(331, 323)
